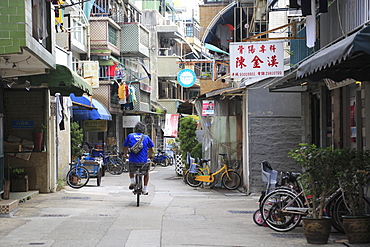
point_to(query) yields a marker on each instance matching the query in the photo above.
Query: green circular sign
(186, 77)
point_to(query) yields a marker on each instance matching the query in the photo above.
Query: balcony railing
(134, 40)
(343, 17)
(168, 67)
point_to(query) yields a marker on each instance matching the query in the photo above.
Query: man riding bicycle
(136, 160)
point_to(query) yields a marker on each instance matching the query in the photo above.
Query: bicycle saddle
(204, 160)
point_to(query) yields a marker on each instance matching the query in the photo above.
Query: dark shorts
(133, 167)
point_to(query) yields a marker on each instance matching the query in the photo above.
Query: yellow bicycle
(196, 175)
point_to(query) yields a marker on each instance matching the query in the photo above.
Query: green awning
(101, 52)
(61, 80)
(106, 62)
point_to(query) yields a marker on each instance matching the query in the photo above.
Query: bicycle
(197, 175)
(78, 176)
(274, 180)
(283, 209)
(161, 158)
(115, 165)
(138, 189)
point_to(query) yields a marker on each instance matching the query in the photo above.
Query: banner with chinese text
(256, 59)
(171, 125)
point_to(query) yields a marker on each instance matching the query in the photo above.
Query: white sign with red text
(256, 59)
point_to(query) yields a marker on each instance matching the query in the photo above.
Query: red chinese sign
(256, 59)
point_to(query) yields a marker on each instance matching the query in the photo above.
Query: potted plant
(38, 137)
(318, 182)
(19, 180)
(353, 179)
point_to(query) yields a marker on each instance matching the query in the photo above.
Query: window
(41, 27)
(112, 35)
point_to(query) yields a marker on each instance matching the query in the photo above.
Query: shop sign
(95, 125)
(256, 59)
(22, 124)
(186, 78)
(130, 121)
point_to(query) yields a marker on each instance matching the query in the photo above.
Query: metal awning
(61, 80)
(348, 58)
(288, 83)
(94, 110)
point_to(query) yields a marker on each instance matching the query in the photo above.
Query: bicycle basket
(193, 168)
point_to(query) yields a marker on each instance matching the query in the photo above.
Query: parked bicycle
(163, 159)
(115, 164)
(274, 180)
(196, 175)
(82, 170)
(139, 174)
(282, 209)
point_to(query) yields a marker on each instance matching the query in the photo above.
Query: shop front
(37, 104)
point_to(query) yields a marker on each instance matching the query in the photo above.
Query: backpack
(136, 148)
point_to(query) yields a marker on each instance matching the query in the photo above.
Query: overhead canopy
(224, 18)
(61, 80)
(348, 58)
(84, 109)
(214, 48)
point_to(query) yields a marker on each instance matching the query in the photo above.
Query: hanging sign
(186, 78)
(95, 125)
(171, 125)
(256, 59)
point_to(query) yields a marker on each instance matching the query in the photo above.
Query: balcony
(168, 67)
(134, 40)
(105, 34)
(27, 44)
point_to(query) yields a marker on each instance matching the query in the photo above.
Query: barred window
(112, 35)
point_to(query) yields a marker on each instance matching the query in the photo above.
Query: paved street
(173, 215)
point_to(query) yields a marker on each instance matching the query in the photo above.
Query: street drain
(287, 235)
(240, 212)
(75, 198)
(55, 215)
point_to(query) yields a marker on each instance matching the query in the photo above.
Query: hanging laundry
(60, 112)
(122, 93)
(132, 94)
(311, 26)
(305, 6)
(112, 70)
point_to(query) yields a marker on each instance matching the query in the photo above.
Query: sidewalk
(172, 215)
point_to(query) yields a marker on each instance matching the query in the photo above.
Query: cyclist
(136, 160)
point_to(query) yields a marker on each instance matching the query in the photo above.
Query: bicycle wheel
(78, 177)
(257, 218)
(340, 210)
(189, 178)
(231, 180)
(152, 166)
(164, 163)
(171, 161)
(98, 177)
(138, 189)
(272, 210)
(114, 167)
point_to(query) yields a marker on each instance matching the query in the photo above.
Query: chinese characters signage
(256, 59)
(171, 125)
(95, 125)
(130, 121)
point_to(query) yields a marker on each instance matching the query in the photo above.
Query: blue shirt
(142, 156)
